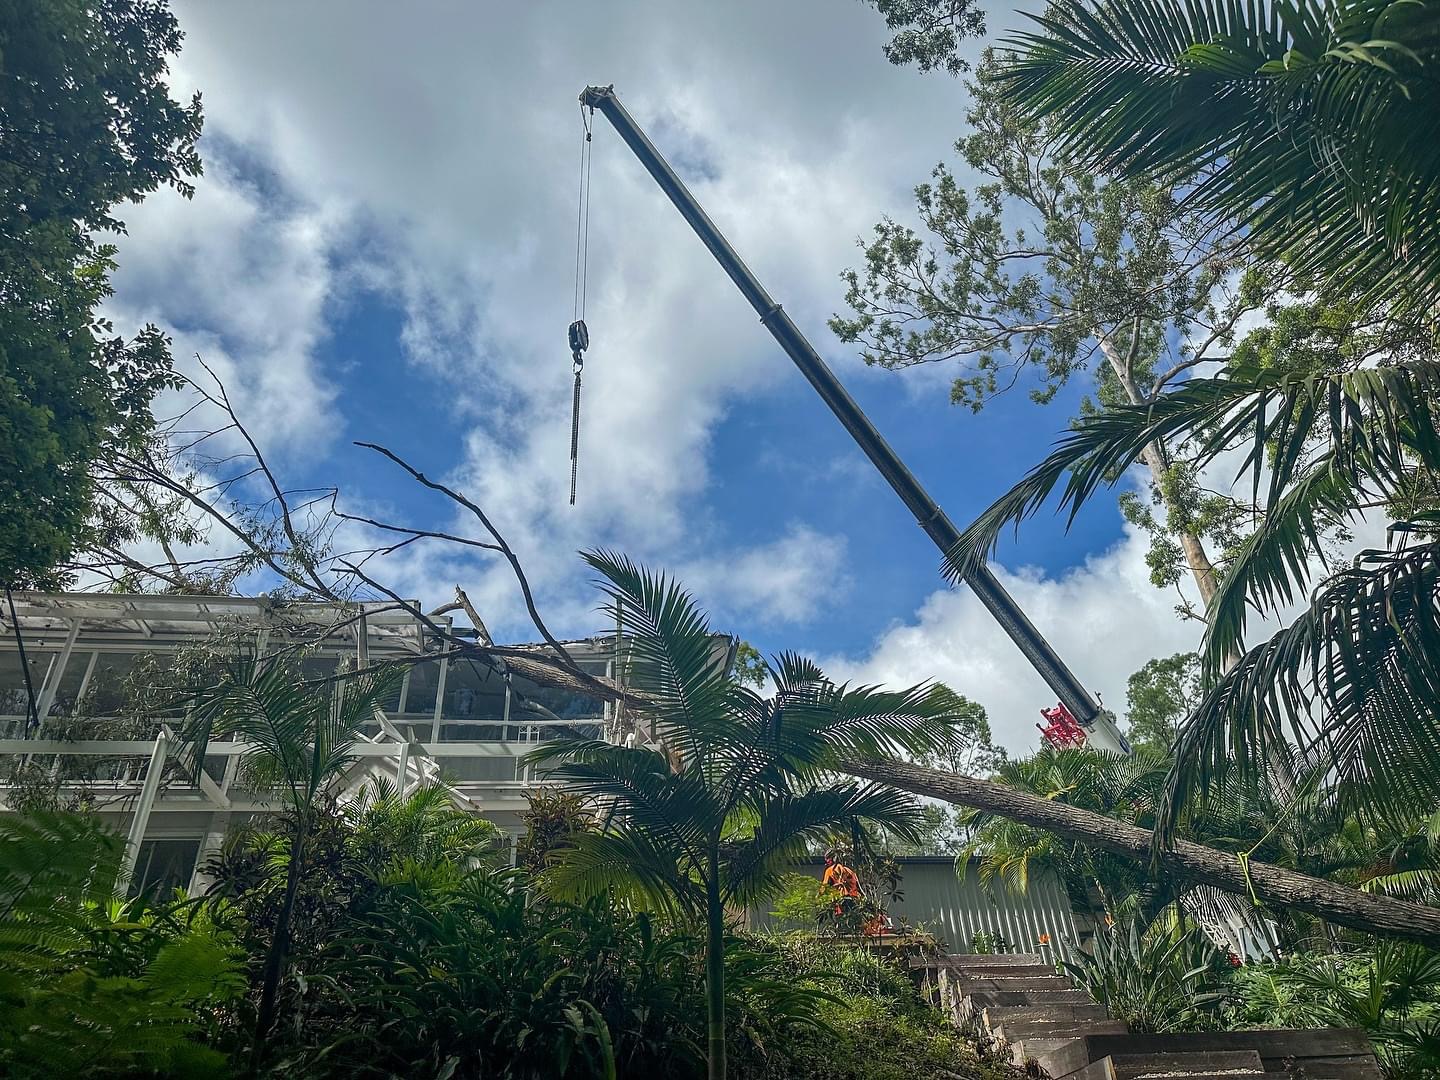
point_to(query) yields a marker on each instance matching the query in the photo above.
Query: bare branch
(504, 546)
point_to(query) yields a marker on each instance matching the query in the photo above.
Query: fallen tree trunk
(1368, 912)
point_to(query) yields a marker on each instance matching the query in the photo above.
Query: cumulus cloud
(430, 156)
(1103, 617)
(243, 279)
(788, 580)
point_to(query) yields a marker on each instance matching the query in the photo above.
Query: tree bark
(1201, 568)
(1367, 912)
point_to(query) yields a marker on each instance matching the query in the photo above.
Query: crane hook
(579, 342)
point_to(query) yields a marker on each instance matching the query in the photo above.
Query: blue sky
(382, 248)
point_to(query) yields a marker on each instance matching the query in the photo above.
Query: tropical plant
(1161, 976)
(1313, 126)
(475, 975)
(299, 741)
(875, 1024)
(1390, 991)
(93, 985)
(1355, 679)
(713, 816)
(552, 820)
(1159, 696)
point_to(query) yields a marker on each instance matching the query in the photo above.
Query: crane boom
(1001, 605)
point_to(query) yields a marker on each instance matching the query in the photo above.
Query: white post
(85, 679)
(401, 766)
(439, 699)
(52, 682)
(210, 845)
(141, 820)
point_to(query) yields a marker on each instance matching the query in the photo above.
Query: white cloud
(1104, 618)
(431, 155)
(244, 280)
(791, 579)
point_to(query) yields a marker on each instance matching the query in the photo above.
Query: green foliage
(88, 124)
(1156, 978)
(1042, 273)
(1159, 697)
(1316, 448)
(552, 821)
(928, 33)
(92, 986)
(799, 903)
(712, 817)
(874, 1024)
(1314, 127)
(1039, 272)
(972, 750)
(1123, 786)
(1391, 991)
(750, 667)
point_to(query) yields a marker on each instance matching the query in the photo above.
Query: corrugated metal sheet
(955, 908)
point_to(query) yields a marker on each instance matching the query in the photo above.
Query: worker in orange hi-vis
(840, 878)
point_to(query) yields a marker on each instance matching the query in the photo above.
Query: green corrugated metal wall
(955, 909)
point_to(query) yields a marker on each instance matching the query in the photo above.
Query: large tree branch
(1367, 912)
(500, 541)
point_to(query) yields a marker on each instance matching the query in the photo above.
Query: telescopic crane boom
(1099, 726)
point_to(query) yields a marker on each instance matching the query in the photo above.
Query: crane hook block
(579, 340)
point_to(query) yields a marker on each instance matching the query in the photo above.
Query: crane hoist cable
(579, 334)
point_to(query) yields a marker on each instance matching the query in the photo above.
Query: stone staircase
(1047, 1024)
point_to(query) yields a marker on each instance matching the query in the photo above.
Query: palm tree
(299, 741)
(1314, 124)
(737, 783)
(1354, 681)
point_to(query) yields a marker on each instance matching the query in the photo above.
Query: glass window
(162, 866)
(473, 692)
(13, 699)
(424, 680)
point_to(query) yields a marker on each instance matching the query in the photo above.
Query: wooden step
(961, 961)
(1009, 971)
(1185, 1063)
(1008, 982)
(1105, 1069)
(994, 1017)
(1324, 1053)
(1019, 1030)
(1038, 1049)
(989, 999)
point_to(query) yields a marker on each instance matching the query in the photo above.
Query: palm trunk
(715, 974)
(1186, 861)
(274, 968)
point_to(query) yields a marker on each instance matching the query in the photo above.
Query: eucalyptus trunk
(1154, 457)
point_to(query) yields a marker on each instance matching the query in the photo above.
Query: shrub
(1163, 977)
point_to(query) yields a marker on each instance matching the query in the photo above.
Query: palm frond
(1314, 124)
(671, 649)
(757, 866)
(1310, 443)
(679, 810)
(626, 862)
(1354, 681)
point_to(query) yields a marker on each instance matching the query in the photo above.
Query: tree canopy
(87, 123)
